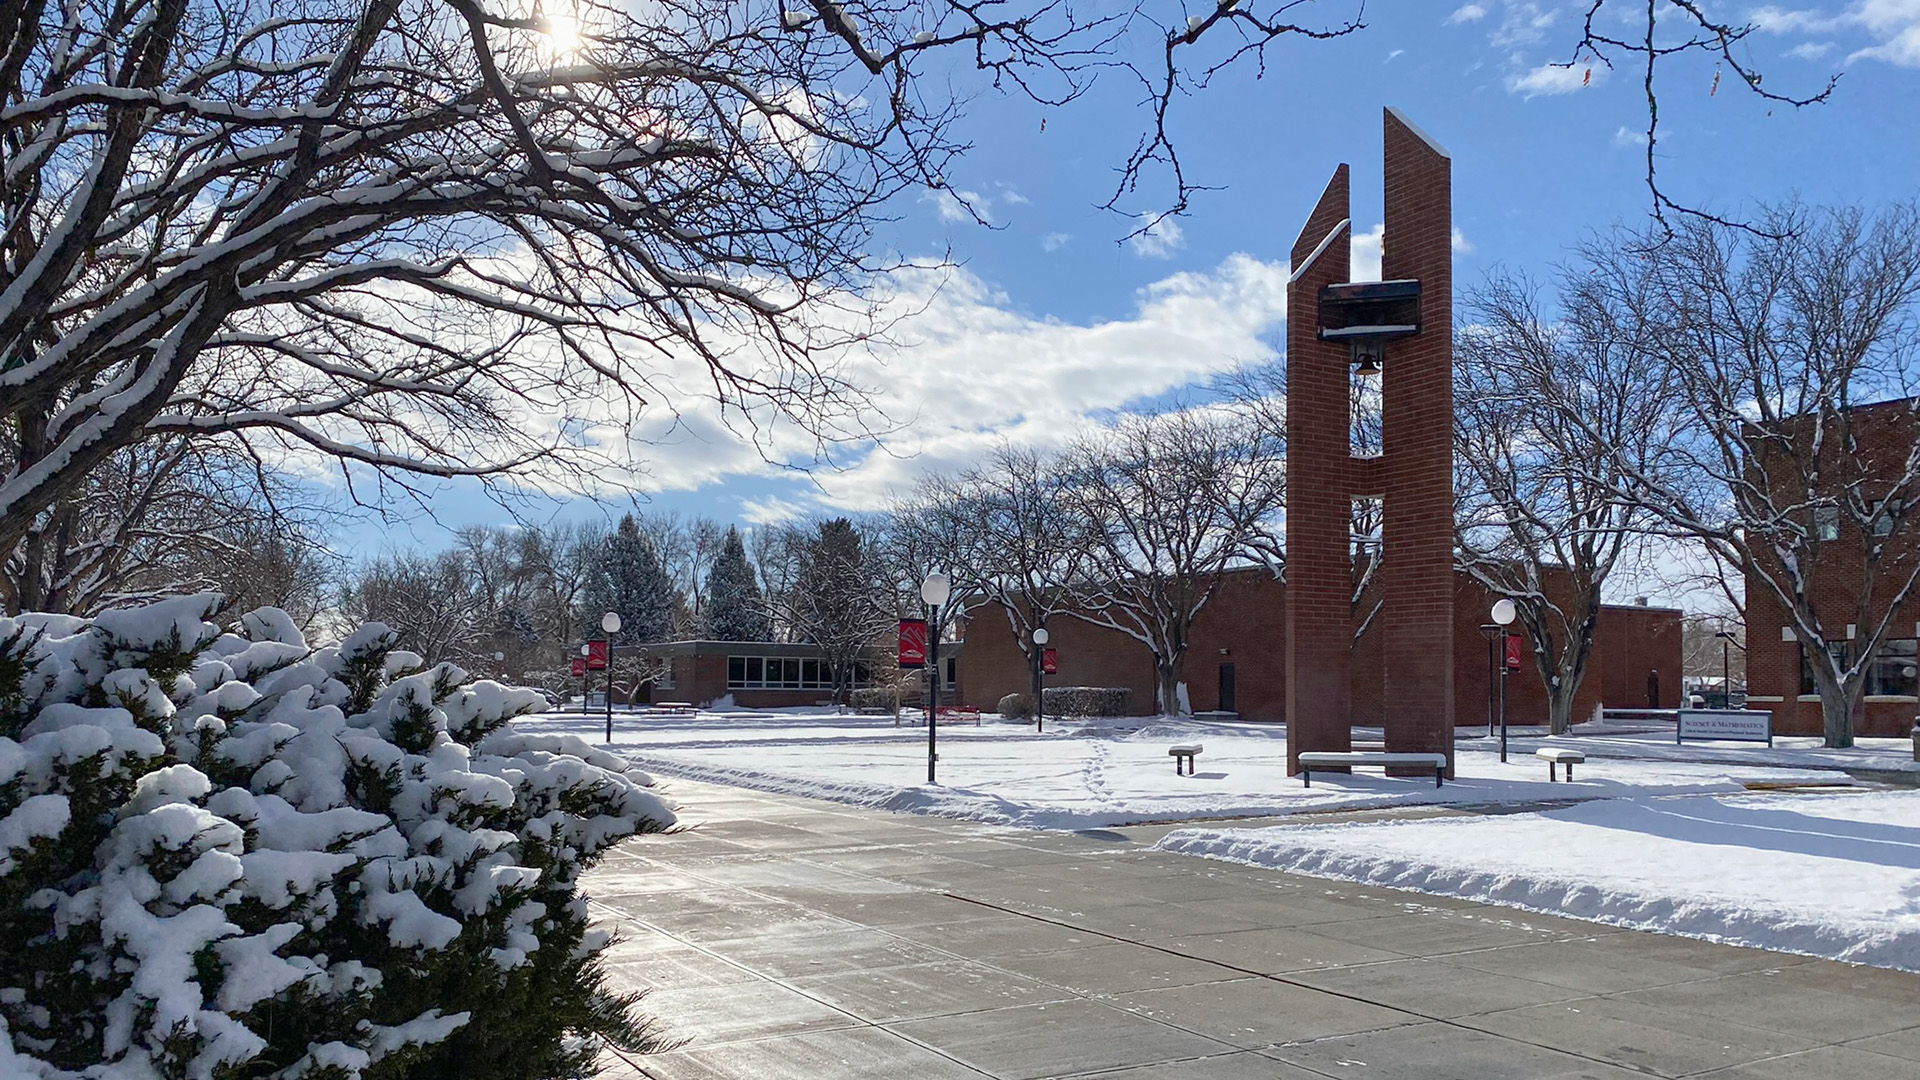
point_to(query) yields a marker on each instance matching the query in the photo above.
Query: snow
(1829, 875)
(1097, 773)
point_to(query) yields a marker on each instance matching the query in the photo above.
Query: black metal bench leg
(1438, 774)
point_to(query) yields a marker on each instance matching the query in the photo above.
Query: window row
(1895, 672)
(784, 673)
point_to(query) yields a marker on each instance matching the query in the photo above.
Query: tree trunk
(1169, 690)
(1560, 706)
(1837, 708)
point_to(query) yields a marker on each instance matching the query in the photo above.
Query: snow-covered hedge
(230, 854)
(1016, 707)
(1085, 700)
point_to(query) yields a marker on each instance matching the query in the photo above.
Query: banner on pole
(913, 643)
(596, 656)
(1050, 661)
(579, 666)
(1513, 652)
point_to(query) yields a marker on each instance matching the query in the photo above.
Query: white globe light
(1503, 611)
(586, 650)
(1040, 636)
(936, 589)
(610, 622)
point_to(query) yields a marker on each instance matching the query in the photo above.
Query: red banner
(1049, 661)
(596, 656)
(579, 666)
(1513, 652)
(913, 643)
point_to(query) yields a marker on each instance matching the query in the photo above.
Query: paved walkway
(789, 938)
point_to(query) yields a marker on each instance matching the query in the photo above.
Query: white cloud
(1811, 50)
(1010, 194)
(1778, 20)
(954, 205)
(1625, 136)
(1366, 254)
(1467, 13)
(1393, 54)
(1459, 242)
(1523, 23)
(1897, 24)
(1159, 241)
(1555, 79)
(1054, 241)
(770, 510)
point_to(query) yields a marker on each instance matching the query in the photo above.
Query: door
(1226, 688)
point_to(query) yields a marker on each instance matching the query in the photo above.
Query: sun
(563, 34)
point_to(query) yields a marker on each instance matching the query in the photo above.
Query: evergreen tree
(735, 609)
(627, 578)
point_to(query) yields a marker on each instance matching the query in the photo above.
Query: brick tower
(1404, 326)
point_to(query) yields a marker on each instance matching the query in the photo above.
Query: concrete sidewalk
(789, 938)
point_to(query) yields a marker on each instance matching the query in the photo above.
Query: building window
(1841, 650)
(1826, 523)
(785, 673)
(1893, 671)
(1886, 512)
(663, 677)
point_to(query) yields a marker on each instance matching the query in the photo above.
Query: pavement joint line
(1104, 1000)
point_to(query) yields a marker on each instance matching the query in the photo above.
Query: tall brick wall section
(1418, 449)
(1319, 506)
(1246, 618)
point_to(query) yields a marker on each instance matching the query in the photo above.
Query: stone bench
(1183, 755)
(1348, 758)
(1556, 756)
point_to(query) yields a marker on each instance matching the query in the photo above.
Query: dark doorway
(1226, 688)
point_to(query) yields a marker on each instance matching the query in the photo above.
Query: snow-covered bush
(1016, 707)
(230, 854)
(1085, 700)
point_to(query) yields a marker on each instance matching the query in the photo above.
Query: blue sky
(1049, 322)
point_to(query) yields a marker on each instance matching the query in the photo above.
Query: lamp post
(934, 591)
(610, 624)
(586, 676)
(1503, 615)
(1726, 668)
(1494, 633)
(1039, 660)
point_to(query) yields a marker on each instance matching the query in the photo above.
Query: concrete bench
(1348, 758)
(1183, 756)
(1556, 757)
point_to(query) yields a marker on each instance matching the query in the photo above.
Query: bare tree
(391, 231)
(1555, 416)
(430, 599)
(1791, 464)
(1175, 500)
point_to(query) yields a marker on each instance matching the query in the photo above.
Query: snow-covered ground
(1101, 773)
(1833, 875)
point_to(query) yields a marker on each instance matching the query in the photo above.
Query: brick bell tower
(1403, 328)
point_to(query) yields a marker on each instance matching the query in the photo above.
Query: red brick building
(1867, 457)
(1237, 660)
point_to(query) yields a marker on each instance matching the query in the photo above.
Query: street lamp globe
(499, 656)
(610, 622)
(586, 650)
(936, 589)
(1503, 611)
(1040, 636)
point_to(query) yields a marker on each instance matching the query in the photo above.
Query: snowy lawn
(1832, 875)
(1806, 751)
(1096, 773)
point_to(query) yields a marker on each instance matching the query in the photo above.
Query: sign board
(579, 666)
(596, 656)
(1513, 652)
(1050, 661)
(913, 643)
(1728, 725)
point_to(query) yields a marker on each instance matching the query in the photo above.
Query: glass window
(1893, 671)
(809, 674)
(736, 672)
(754, 674)
(664, 680)
(1826, 523)
(790, 673)
(1840, 650)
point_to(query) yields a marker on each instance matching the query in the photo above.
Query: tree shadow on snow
(1723, 824)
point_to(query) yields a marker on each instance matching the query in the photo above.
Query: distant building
(753, 674)
(1236, 662)
(1778, 678)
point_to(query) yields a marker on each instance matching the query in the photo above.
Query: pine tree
(838, 602)
(735, 609)
(627, 578)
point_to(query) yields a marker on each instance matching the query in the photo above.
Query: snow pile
(1835, 875)
(228, 853)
